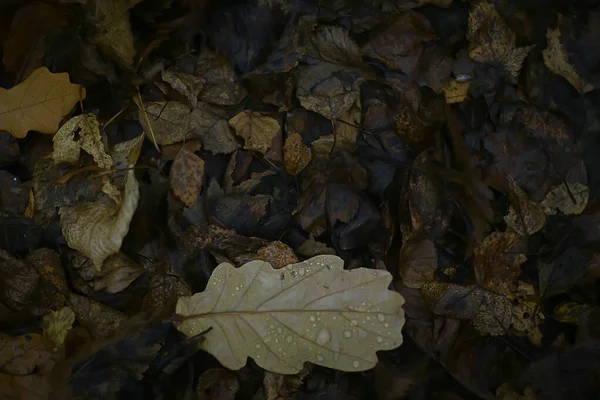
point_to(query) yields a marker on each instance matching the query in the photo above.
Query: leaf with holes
(310, 311)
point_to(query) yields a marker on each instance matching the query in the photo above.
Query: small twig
(140, 104)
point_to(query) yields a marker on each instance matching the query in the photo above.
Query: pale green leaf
(311, 311)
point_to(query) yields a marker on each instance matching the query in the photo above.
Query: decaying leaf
(113, 35)
(456, 91)
(525, 217)
(557, 60)
(221, 85)
(296, 155)
(493, 41)
(257, 130)
(57, 325)
(87, 130)
(21, 355)
(38, 103)
(327, 89)
(570, 201)
(99, 319)
(118, 272)
(418, 262)
(186, 84)
(187, 176)
(97, 229)
(311, 311)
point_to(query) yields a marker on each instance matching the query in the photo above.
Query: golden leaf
(38, 103)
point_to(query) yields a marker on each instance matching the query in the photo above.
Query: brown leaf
(33, 28)
(497, 262)
(100, 320)
(296, 154)
(114, 37)
(492, 40)
(221, 85)
(38, 103)
(53, 281)
(525, 217)
(455, 91)
(217, 383)
(187, 176)
(327, 89)
(399, 43)
(276, 253)
(118, 272)
(164, 291)
(21, 355)
(20, 283)
(418, 263)
(334, 44)
(186, 84)
(557, 60)
(257, 130)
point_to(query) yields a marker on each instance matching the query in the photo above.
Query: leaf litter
(448, 149)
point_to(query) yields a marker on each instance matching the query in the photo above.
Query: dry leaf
(570, 201)
(492, 40)
(57, 325)
(327, 89)
(557, 60)
(87, 129)
(525, 217)
(187, 176)
(99, 319)
(296, 155)
(38, 103)
(118, 272)
(97, 229)
(23, 354)
(114, 37)
(188, 85)
(311, 311)
(418, 263)
(257, 130)
(455, 91)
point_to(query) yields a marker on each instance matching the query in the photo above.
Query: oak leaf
(310, 311)
(38, 103)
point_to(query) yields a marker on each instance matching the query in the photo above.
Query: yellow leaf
(38, 103)
(455, 91)
(296, 154)
(311, 311)
(557, 61)
(67, 148)
(57, 325)
(97, 229)
(570, 201)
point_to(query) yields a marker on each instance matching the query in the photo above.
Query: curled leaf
(97, 229)
(311, 311)
(87, 130)
(57, 325)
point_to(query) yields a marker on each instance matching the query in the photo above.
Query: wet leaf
(571, 200)
(57, 325)
(114, 37)
(276, 253)
(557, 60)
(296, 154)
(187, 176)
(257, 130)
(38, 103)
(80, 132)
(281, 323)
(564, 272)
(97, 229)
(327, 89)
(524, 216)
(493, 41)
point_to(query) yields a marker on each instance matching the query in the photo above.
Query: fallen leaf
(399, 43)
(118, 272)
(334, 44)
(571, 200)
(455, 91)
(57, 325)
(296, 154)
(164, 291)
(217, 383)
(114, 37)
(34, 26)
(23, 354)
(492, 41)
(186, 84)
(311, 311)
(564, 272)
(38, 103)
(570, 312)
(222, 86)
(327, 89)
(418, 263)
(97, 229)
(86, 128)
(257, 130)
(311, 248)
(187, 176)
(276, 253)
(524, 216)
(557, 60)
(99, 319)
